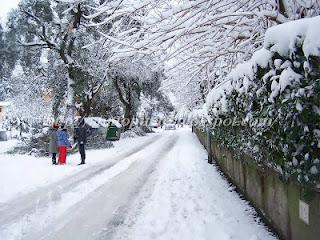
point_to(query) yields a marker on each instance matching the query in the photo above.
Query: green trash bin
(113, 133)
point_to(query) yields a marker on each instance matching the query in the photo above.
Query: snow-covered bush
(276, 97)
(135, 132)
(97, 139)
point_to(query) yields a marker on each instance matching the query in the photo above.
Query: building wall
(2, 112)
(280, 202)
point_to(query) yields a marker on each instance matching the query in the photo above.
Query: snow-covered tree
(206, 39)
(128, 75)
(154, 100)
(8, 57)
(29, 107)
(54, 26)
(203, 39)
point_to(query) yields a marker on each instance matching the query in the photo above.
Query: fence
(292, 210)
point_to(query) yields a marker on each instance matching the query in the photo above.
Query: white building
(3, 109)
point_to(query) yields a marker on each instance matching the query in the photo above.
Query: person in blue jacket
(63, 144)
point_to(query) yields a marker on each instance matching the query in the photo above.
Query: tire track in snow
(33, 201)
(99, 215)
(122, 212)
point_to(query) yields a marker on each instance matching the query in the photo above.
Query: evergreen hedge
(278, 100)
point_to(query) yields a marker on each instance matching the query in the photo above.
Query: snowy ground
(154, 187)
(7, 145)
(21, 174)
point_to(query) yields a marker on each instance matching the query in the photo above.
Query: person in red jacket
(63, 144)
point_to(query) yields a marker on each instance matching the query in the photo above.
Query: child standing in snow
(53, 142)
(63, 143)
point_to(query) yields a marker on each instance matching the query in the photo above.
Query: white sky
(6, 6)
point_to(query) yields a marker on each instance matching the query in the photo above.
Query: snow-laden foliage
(100, 58)
(199, 41)
(154, 102)
(7, 62)
(28, 110)
(275, 98)
(65, 44)
(31, 107)
(56, 33)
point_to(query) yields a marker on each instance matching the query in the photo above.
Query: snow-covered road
(158, 187)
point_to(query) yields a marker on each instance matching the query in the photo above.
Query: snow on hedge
(282, 38)
(280, 82)
(246, 70)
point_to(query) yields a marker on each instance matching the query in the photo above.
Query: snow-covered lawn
(21, 174)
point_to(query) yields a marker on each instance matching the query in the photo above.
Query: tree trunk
(128, 115)
(87, 108)
(70, 108)
(126, 100)
(282, 8)
(65, 52)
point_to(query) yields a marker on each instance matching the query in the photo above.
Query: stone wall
(293, 211)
